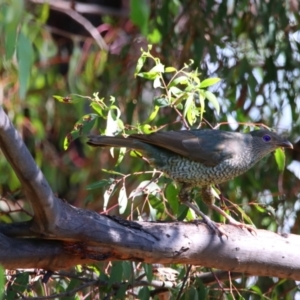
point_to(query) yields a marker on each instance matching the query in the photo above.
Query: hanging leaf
(122, 200)
(280, 159)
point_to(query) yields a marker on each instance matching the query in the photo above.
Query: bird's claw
(249, 228)
(217, 228)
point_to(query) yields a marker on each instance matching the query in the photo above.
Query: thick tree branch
(267, 254)
(36, 187)
(34, 253)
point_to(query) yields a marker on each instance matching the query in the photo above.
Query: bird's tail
(115, 141)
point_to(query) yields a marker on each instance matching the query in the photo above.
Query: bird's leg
(184, 196)
(208, 198)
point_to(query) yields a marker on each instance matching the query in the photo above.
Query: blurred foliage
(252, 46)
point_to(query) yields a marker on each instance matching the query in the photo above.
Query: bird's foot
(217, 228)
(232, 221)
(210, 223)
(250, 228)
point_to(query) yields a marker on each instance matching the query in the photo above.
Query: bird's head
(265, 141)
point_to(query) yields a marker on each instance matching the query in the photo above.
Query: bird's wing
(209, 147)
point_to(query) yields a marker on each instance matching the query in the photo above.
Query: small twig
(85, 23)
(184, 281)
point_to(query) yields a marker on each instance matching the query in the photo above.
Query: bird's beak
(286, 144)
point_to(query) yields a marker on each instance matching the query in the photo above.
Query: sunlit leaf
(147, 129)
(99, 109)
(140, 64)
(280, 158)
(122, 200)
(214, 101)
(152, 212)
(66, 99)
(153, 114)
(156, 83)
(155, 36)
(148, 75)
(159, 68)
(112, 124)
(122, 152)
(107, 195)
(170, 69)
(83, 126)
(190, 111)
(145, 187)
(175, 91)
(180, 80)
(209, 82)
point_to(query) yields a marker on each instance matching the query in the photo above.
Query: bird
(200, 158)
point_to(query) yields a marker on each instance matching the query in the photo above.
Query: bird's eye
(266, 138)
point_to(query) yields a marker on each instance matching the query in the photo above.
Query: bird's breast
(185, 170)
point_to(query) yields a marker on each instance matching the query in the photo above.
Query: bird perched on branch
(200, 158)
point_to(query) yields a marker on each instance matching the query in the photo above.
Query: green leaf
(192, 293)
(140, 64)
(148, 75)
(149, 271)
(122, 200)
(122, 152)
(66, 99)
(107, 195)
(175, 91)
(99, 109)
(144, 293)
(74, 282)
(139, 14)
(161, 102)
(127, 269)
(171, 193)
(155, 36)
(153, 114)
(190, 111)
(116, 273)
(2, 282)
(20, 284)
(180, 80)
(12, 18)
(145, 187)
(212, 98)
(259, 207)
(83, 126)
(256, 289)
(202, 104)
(112, 172)
(98, 184)
(209, 82)
(170, 69)
(280, 159)
(25, 57)
(147, 129)
(159, 68)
